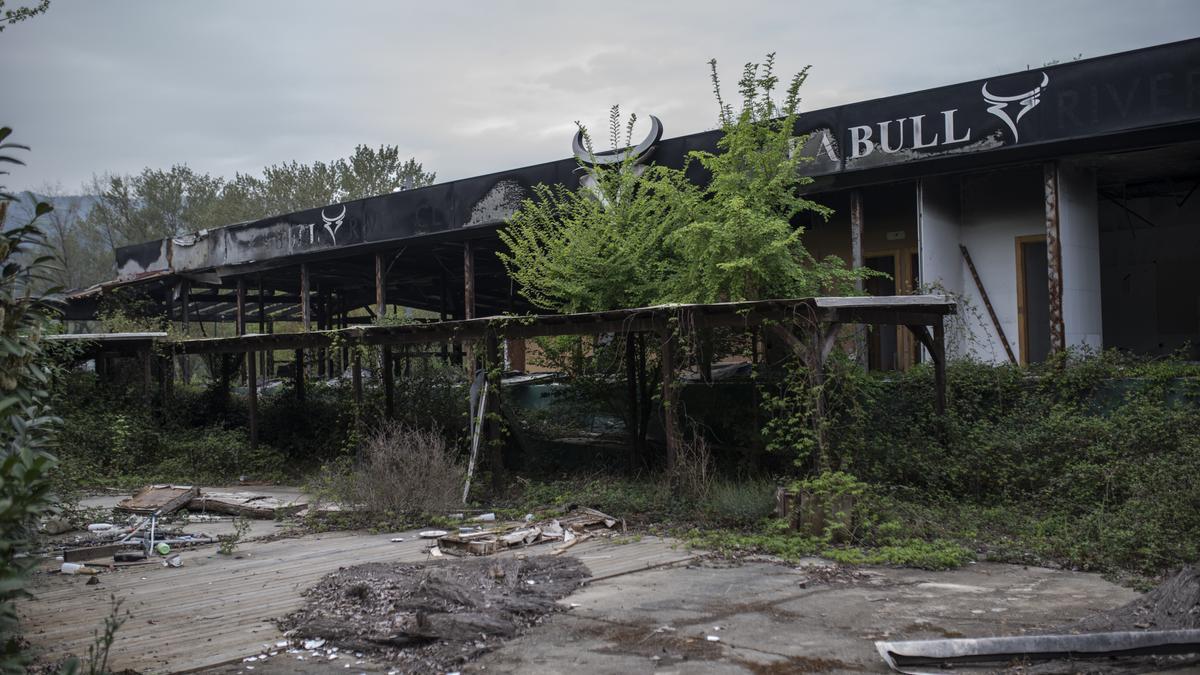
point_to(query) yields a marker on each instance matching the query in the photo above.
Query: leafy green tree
(596, 248)
(644, 235)
(25, 424)
(160, 203)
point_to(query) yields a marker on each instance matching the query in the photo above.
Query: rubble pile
(432, 615)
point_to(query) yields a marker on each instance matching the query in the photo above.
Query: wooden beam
(298, 374)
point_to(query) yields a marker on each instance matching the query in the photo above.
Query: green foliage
(633, 236)
(11, 16)
(229, 542)
(25, 421)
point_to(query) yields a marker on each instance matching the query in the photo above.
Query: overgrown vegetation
(25, 420)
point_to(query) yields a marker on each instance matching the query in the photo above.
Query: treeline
(118, 210)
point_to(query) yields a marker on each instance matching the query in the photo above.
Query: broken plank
(160, 499)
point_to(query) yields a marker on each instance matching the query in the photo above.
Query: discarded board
(567, 530)
(91, 552)
(160, 499)
(246, 504)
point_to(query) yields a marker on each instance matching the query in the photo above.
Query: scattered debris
(577, 525)
(92, 552)
(160, 499)
(246, 504)
(432, 615)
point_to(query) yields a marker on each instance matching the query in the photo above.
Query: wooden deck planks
(216, 609)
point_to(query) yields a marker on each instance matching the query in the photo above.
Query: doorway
(1033, 299)
(892, 347)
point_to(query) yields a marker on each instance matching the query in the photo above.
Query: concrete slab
(767, 618)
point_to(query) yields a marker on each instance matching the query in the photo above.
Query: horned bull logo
(332, 225)
(998, 105)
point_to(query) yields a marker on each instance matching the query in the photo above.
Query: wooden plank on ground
(162, 499)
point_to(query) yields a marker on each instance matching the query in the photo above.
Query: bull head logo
(998, 105)
(332, 225)
(637, 154)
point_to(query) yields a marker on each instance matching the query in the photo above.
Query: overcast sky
(474, 87)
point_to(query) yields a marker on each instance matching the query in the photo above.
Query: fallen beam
(901, 656)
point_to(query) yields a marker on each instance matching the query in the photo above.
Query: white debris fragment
(712, 638)
(281, 644)
(315, 643)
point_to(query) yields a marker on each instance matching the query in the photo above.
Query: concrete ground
(766, 619)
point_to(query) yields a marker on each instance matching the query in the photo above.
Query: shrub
(406, 470)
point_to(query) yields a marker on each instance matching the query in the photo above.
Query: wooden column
(469, 300)
(670, 399)
(185, 292)
(305, 300)
(444, 313)
(857, 262)
(939, 365)
(252, 397)
(631, 392)
(492, 366)
(298, 374)
(516, 354)
(262, 328)
(306, 324)
(147, 375)
(389, 384)
(356, 380)
(240, 322)
(380, 287)
(1058, 333)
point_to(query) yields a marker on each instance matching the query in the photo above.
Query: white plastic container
(100, 527)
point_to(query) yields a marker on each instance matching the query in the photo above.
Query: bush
(406, 470)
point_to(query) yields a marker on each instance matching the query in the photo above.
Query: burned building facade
(1056, 204)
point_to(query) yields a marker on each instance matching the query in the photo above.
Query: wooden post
(240, 321)
(939, 365)
(306, 323)
(491, 413)
(1058, 334)
(262, 327)
(380, 288)
(469, 299)
(516, 354)
(445, 309)
(185, 291)
(857, 262)
(669, 397)
(252, 397)
(298, 374)
(356, 380)
(389, 385)
(147, 375)
(631, 391)
(305, 301)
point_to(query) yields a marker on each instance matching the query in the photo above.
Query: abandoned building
(1056, 204)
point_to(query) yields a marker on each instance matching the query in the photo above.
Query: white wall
(1079, 231)
(941, 267)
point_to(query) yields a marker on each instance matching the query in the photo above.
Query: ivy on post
(670, 399)
(493, 366)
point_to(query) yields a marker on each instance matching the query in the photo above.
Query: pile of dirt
(1174, 604)
(435, 615)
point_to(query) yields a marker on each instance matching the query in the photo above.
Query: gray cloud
(470, 88)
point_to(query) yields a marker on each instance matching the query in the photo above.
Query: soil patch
(432, 616)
